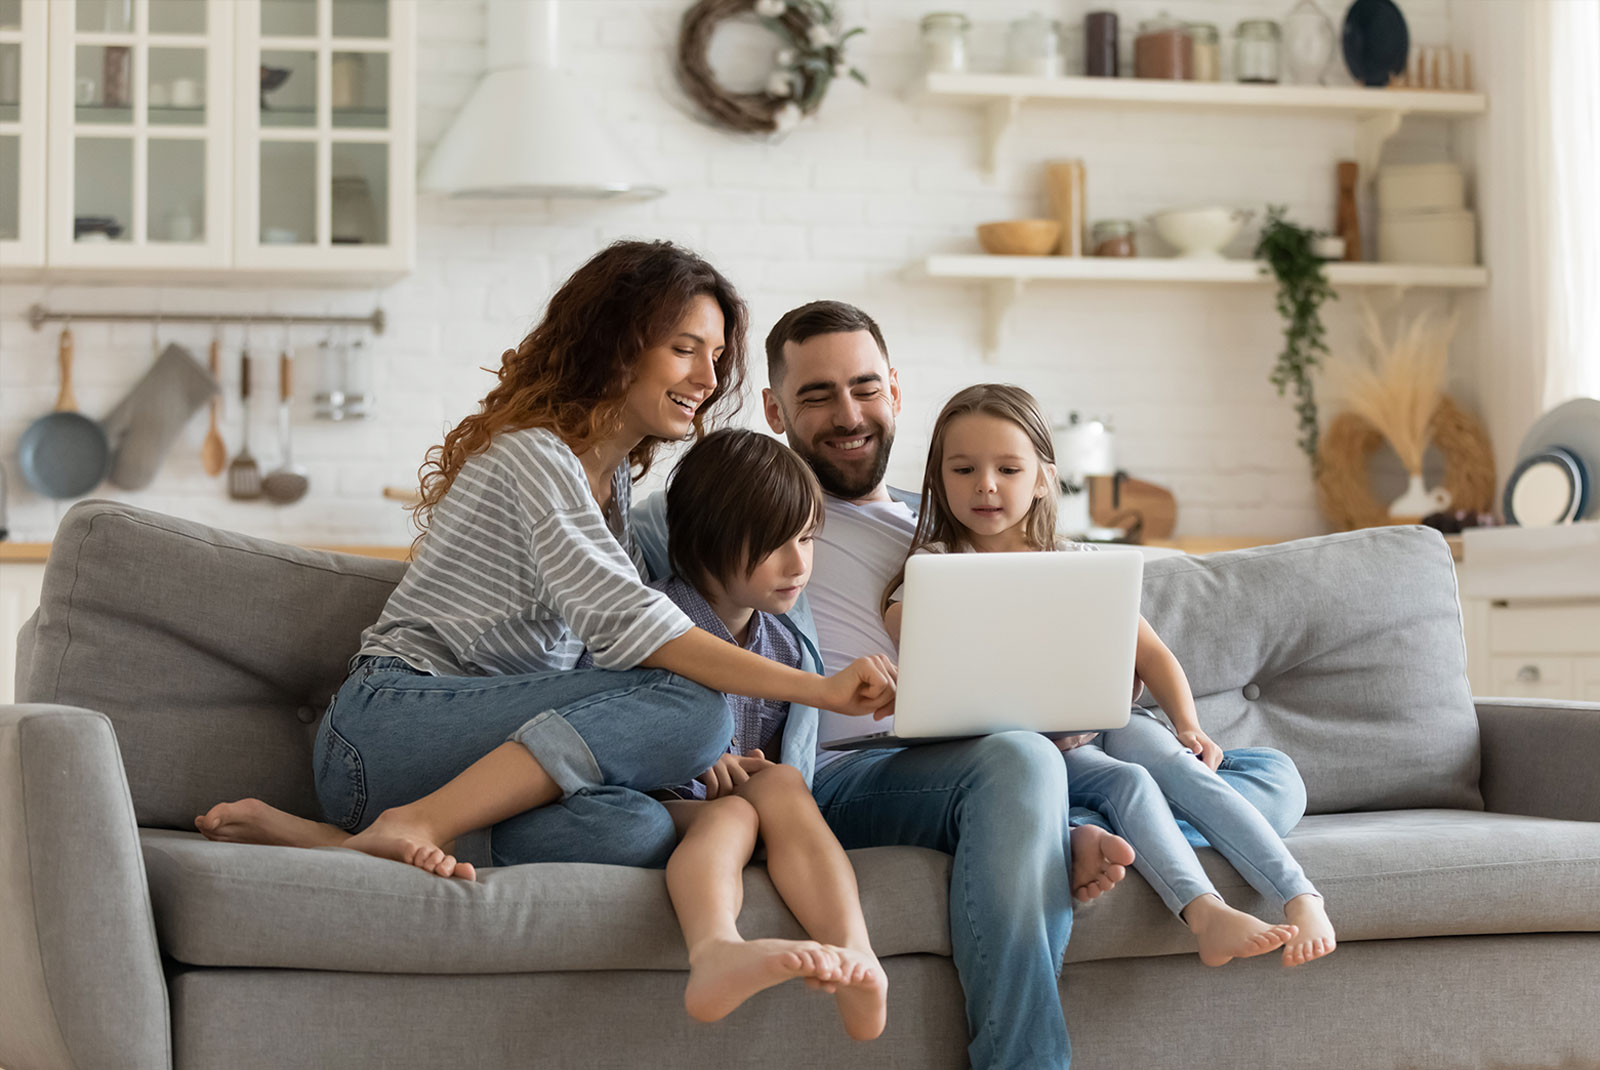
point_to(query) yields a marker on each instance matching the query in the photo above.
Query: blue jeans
(1141, 778)
(393, 734)
(998, 805)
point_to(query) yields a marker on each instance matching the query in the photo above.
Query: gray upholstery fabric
(1539, 757)
(238, 905)
(1345, 651)
(80, 973)
(1454, 1003)
(212, 653)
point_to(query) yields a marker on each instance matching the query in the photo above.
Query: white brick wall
(840, 209)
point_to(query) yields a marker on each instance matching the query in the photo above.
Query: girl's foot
(1226, 934)
(725, 973)
(395, 835)
(862, 993)
(1099, 860)
(1315, 938)
(253, 821)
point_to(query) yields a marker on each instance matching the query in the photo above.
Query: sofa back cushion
(1345, 651)
(213, 653)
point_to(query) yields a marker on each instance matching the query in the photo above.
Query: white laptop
(1041, 642)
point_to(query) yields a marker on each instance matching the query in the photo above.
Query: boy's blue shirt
(649, 528)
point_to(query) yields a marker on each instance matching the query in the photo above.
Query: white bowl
(1200, 233)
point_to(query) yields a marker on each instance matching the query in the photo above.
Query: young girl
(741, 512)
(990, 488)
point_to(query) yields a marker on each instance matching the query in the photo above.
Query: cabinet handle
(1528, 674)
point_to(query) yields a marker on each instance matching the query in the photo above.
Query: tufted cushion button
(1252, 692)
(307, 714)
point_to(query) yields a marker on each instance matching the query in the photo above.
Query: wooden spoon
(213, 451)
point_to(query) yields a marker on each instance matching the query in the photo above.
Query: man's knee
(1024, 762)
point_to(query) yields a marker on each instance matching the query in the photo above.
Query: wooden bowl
(1020, 237)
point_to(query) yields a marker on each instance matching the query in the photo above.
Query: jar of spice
(1113, 237)
(1207, 51)
(1100, 58)
(1256, 50)
(1035, 47)
(1163, 49)
(944, 42)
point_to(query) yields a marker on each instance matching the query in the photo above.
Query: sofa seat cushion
(221, 904)
(1390, 875)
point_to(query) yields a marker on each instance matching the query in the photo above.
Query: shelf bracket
(1002, 298)
(999, 119)
(1370, 138)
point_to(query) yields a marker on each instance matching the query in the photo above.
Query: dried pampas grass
(1397, 390)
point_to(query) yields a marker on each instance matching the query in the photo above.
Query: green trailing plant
(1302, 288)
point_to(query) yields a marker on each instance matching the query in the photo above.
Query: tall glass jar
(1256, 49)
(1163, 49)
(944, 42)
(1034, 46)
(1207, 51)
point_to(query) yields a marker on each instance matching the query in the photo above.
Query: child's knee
(777, 785)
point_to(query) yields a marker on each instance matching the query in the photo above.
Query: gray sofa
(172, 665)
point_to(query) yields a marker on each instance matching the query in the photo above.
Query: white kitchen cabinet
(1536, 648)
(24, 60)
(20, 585)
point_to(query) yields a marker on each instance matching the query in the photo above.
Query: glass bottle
(944, 42)
(1256, 51)
(1207, 51)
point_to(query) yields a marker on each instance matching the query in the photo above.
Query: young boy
(742, 509)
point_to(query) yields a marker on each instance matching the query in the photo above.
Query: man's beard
(840, 483)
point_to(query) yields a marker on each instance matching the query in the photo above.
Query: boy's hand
(721, 779)
(1203, 747)
(755, 761)
(864, 686)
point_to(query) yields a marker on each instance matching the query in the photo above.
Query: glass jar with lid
(1207, 51)
(944, 42)
(1034, 47)
(1256, 48)
(1113, 237)
(1163, 49)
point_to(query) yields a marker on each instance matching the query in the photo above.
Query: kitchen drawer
(1533, 676)
(1544, 629)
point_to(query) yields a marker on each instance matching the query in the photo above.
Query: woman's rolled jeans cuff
(560, 752)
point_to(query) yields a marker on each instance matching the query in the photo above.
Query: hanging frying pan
(64, 454)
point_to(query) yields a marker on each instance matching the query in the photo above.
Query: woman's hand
(864, 686)
(1203, 746)
(732, 770)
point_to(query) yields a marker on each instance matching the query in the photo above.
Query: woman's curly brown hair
(572, 372)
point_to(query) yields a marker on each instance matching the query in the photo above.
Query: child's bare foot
(862, 993)
(1315, 938)
(395, 835)
(1226, 934)
(1099, 860)
(253, 821)
(725, 973)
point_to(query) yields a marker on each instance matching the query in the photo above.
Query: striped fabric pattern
(521, 571)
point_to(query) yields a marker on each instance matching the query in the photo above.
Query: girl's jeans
(393, 734)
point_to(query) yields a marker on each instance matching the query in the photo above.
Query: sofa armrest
(83, 986)
(1539, 757)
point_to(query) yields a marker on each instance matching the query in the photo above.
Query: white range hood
(527, 130)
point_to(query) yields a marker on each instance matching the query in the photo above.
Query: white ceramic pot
(1418, 501)
(1428, 187)
(1428, 238)
(1200, 233)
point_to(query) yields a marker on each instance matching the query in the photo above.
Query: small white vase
(1418, 500)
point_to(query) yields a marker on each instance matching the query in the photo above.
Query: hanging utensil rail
(38, 316)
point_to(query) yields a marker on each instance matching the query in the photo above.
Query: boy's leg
(818, 884)
(998, 804)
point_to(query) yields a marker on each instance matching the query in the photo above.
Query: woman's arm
(1159, 669)
(864, 686)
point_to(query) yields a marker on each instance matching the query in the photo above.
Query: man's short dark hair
(806, 322)
(735, 497)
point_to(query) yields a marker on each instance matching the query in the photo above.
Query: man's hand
(864, 686)
(1066, 743)
(1203, 747)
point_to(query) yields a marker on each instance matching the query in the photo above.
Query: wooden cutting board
(1121, 501)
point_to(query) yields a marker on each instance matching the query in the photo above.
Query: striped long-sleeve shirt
(521, 571)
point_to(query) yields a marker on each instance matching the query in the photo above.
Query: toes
(466, 871)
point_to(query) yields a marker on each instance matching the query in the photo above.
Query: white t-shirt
(860, 549)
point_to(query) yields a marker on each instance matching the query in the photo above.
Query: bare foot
(1099, 860)
(1226, 934)
(394, 835)
(1315, 939)
(725, 973)
(862, 993)
(253, 821)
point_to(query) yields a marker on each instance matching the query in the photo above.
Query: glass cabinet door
(23, 62)
(326, 152)
(141, 151)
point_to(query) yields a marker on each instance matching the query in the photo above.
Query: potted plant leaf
(1289, 252)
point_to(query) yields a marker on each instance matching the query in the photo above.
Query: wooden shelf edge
(984, 268)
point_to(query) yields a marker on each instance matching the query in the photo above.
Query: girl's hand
(1066, 743)
(1203, 746)
(721, 779)
(864, 686)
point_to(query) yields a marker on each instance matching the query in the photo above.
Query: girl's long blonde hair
(936, 523)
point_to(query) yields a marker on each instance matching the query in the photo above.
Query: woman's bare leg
(814, 876)
(705, 878)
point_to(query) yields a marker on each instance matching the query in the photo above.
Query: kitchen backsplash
(841, 209)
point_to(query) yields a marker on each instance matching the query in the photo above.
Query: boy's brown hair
(735, 497)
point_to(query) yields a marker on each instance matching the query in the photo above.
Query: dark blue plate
(1376, 41)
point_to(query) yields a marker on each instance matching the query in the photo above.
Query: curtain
(1572, 186)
